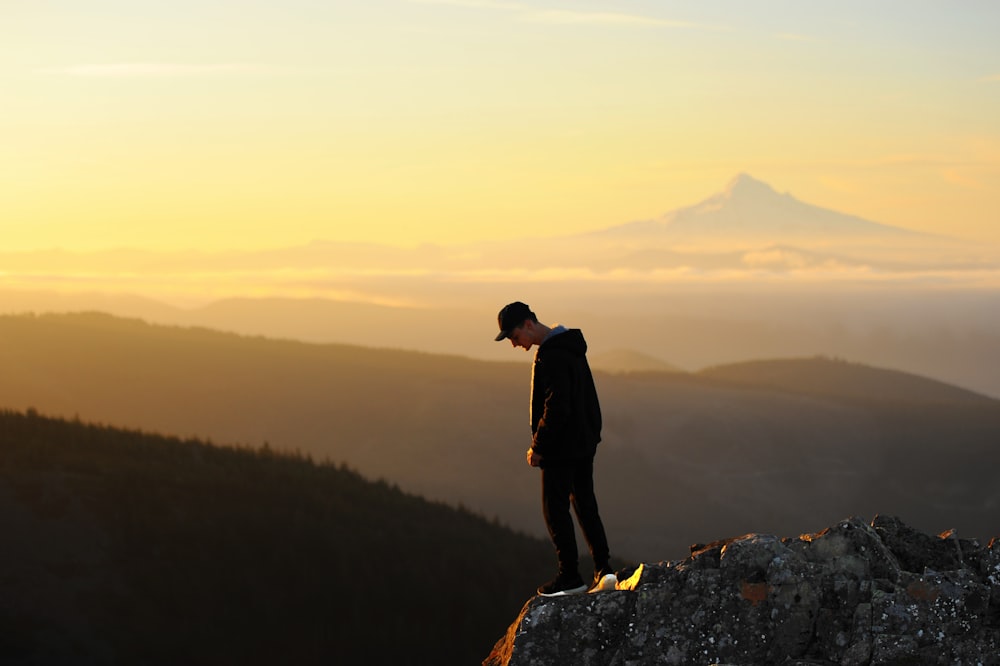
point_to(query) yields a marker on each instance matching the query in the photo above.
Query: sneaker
(604, 580)
(562, 585)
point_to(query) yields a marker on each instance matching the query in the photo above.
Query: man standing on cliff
(566, 427)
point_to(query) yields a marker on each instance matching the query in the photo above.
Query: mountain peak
(749, 209)
(748, 193)
(745, 184)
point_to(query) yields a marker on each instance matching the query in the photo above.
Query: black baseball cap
(511, 316)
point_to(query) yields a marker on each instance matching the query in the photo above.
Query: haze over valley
(772, 447)
(745, 274)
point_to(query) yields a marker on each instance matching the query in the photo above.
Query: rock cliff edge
(855, 593)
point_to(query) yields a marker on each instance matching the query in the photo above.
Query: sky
(210, 125)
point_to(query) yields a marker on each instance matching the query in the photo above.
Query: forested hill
(768, 451)
(125, 547)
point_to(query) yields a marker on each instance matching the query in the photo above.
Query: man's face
(519, 337)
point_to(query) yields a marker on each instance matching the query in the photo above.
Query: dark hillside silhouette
(685, 457)
(834, 377)
(124, 547)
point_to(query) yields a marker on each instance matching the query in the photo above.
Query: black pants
(561, 485)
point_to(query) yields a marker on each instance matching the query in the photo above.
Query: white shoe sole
(565, 593)
(606, 584)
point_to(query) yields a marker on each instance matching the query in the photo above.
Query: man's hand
(534, 459)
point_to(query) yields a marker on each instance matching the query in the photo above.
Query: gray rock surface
(855, 593)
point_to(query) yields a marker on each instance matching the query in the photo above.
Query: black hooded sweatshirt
(565, 412)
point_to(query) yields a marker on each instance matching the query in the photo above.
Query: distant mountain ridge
(749, 209)
(691, 328)
(628, 360)
(821, 375)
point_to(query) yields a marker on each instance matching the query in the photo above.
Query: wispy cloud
(474, 4)
(962, 178)
(605, 18)
(793, 37)
(566, 16)
(991, 79)
(156, 70)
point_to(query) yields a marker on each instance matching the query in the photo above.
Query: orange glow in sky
(208, 125)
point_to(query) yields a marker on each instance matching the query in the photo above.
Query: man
(566, 427)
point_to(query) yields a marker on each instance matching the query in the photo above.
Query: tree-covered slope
(125, 547)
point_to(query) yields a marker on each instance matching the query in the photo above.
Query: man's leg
(585, 506)
(557, 485)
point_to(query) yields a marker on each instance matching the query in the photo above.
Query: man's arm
(557, 411)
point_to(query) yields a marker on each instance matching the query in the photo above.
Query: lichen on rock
(855, 593)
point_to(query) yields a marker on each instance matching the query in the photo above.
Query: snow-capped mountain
(751, 210)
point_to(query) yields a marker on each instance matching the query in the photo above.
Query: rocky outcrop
(855, 593)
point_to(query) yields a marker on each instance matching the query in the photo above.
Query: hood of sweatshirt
(571, 340)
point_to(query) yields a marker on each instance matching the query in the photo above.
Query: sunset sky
(202, 124)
